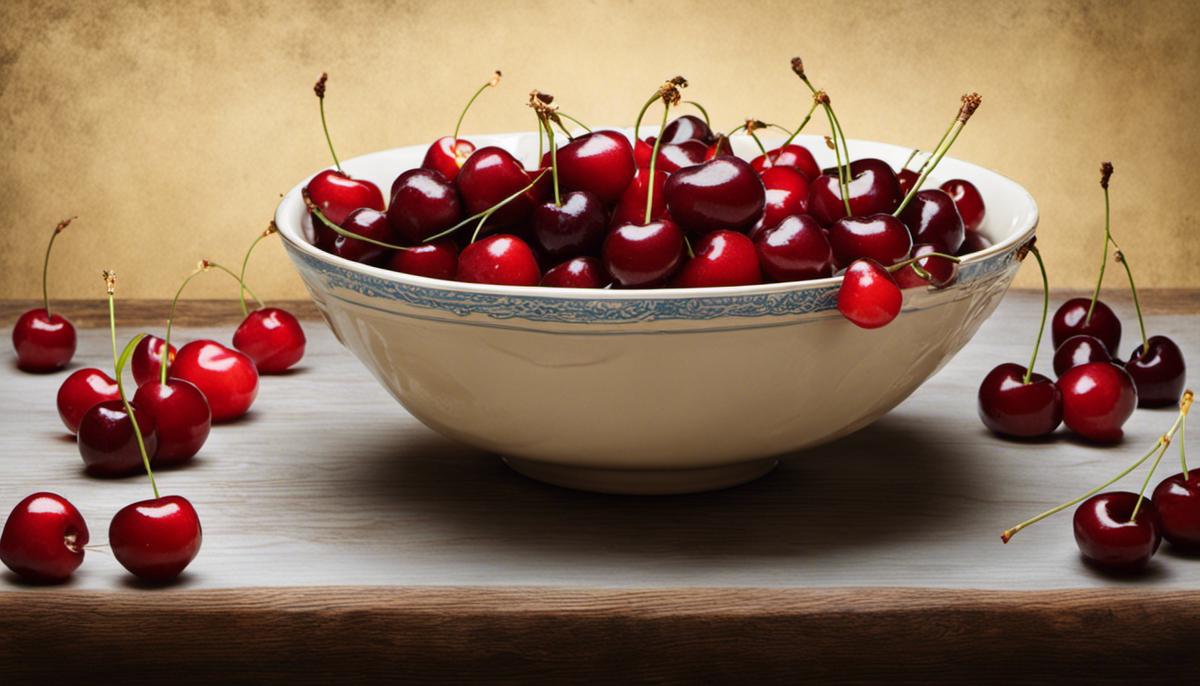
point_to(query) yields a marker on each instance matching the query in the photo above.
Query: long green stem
(110, 279)
(704, 112)
(46, 274)
(1103, 258)
(754, 137)
(1145, 483)
(458, 124)
(804, 123)
(541, 133)
(1045, 309)
(568, 117)
(328, 139)
(637, 123)
(843, 184)
(166, 349)
(1182, 456)
(935, 148)
(1136, 303)
(911, 155)
(654, 163)
(553, 158)
(928, 168)
(241, 283)
(481, 216)
(246, 261)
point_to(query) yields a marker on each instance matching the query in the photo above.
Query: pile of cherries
(180, 394)
(679, 210)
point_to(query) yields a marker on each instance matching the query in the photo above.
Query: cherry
(642, 255)
(1071, 319)
(490, 176)
(437, 260)
(424, 203)
(873, 189)
(43, 539)
(687, 127)
(1110, 537)
(156, 539)
(1078, 350)
(672, 156)
(107, 442)
(600, 162)
(501, 259)
(1098, 397)
(974, 242)
(80, 392)
(575, 226)
(940, 271)
(796, 249)
(932, 218)
(44, 341)
(1158, 371)
(146, 362)
(878, 237)
(969, 202)
(1177, 499)
(791, 156)
(365, 222)
(631, 208)
(272, 338)
(1013, 402)
(227, 378)
(578, 272)
(786, 195)
(448, 154)
(182, 418)
(723, 193)
(723, 258)
(908, 179)
(721, 146)
(868, 296)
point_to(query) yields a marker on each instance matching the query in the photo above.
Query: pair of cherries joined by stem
(44, 340)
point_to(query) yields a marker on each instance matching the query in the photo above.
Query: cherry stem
(241, 283)
(316, 212)
(166, 349)
(804, 123)
(970, 104)
(935, 148)
(320, 90)
(110, 280)
(1045, 310)
(573, 119)
(704, 112)
(540, 134)
(491, 83)
(1137, 306)
(1185, 404)
(1103, 255)
(46, 264)
(245, 260)
(911, 155)
(654, 160)
(481, 216)
(637, 124)
(545, 121)
(914, 260)
(1182, 456)
(1161, 443)
(757, 142)
(688, 244)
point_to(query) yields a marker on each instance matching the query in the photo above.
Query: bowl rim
(290, 230)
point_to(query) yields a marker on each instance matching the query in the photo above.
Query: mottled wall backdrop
(171, 128)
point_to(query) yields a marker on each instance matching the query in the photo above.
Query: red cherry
(719, 148)
(337, 195)
(671, 156)
(575, 227)
(879, 237)
(973, 241)
(447, 155)
(43, 539)
(501, 259)
(156, 539)
(80, 392)
(931, 218)
(1098, 397)
(437, 260)
(1010, 407)
(1158, 372)
(723, 258)
(147, 359)
(1107, 536)
(908, 178)
(791, 155)
(796, 249)
(44, 343)
(1070, 319)
(687, 127)
(491, 175)
(226, 377)
(182, 418)
(273, 338)
(424, 204)
(873, 189)
(1078, 350)
(639, 255)
(968, 200)
(942, 271)
(107, 443)
(578, 272)
(868, 296)
(723, 193)
(1178, 503)
(600, 163)
(368, 223)
(631, 209)
(786, 195)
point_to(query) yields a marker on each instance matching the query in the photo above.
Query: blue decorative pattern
(543, 308)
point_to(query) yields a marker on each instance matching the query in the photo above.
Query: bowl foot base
(643, 481)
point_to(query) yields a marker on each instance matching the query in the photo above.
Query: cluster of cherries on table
(180, 394)
(1094, 395)
(679, 210)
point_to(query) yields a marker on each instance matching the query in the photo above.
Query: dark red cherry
(43, 343)
(796, 249)
(874, 189)
(1078, 350)
(576, 227)
(868, 296)
(1070, 319)
(721, 146)
(1109, 538)
(786, 195)
(578, 272)
(368, 223)
(1158, 372)
(43, 539)
(973, 241)
(490, 176)
(908, 179)
(501, 259)
(600, 163)
(791, 155)
(437, 260)
(182, 418)
(631, 209)
(931, 218)
(723, 258)
(1098, 398)
(273, 338)
(226, 377)
(81, 391)
(1010, 407)
(643, 255)
(337, 195)
(969, 202)
(146, 361)
(671, 156)
(942, 271)
(447, 155)
(687, 127)
(1178, 503)
(424, 203)
(879, 237)
(107, 443)
(723, 193)
(156, 539)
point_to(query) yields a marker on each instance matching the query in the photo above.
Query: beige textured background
(171, 128)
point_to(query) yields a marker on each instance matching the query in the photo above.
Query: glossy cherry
(1177, 500)
(43, 539)
(182, 418)
(156, 539)
(879, 237)
(492, 175)
(437, 260)
(1070, 319)
(1098, 398)
(969, 202)
(44, 341)
(639, 255)
(368, 223)
(942, 272)
(792, 156)
(932, 218)
(501, 259)
(873, 189)
(424, 203)
(1009, 406)
(1158, 371)
(723, 193)
(796, 249)
(449, 153)
(81, 391)
(671, 156)
(600, 163)
(908, 178)
(228, 378)
(107, 443)
(868, 296)
(687, 127)
(786, 195)
(577, 272)
(1107, 536)
(272, 338)
(723, 258)
(146, 362)
(574, 227)
(1078, 350)
(631, 208)
(973, 241)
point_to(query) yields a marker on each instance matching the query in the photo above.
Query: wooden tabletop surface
(343, 537)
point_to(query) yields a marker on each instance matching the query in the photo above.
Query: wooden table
(342, 539)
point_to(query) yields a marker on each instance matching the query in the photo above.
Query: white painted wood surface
(330, 482)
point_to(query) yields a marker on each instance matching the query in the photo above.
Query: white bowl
(649, 391)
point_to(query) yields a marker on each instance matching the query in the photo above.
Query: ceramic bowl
(649, 391)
